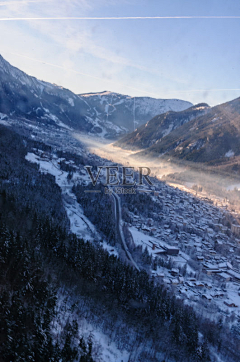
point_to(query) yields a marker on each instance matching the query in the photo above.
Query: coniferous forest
(39, 257)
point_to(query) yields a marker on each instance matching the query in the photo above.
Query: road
(118, 217)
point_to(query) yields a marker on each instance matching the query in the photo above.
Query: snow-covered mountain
(24, 96)
(127, 112)
(160, 126)
(210, 138)
(106, 114)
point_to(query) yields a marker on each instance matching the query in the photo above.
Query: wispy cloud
(57, 7)
(207, 90)
(118, 83)
(116, 18)
(15, 9)
(22, 2)
(79, 37)
(69, 39)
(83, 74)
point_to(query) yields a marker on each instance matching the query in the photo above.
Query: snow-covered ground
(104, 350)
(230, 153)
(3, 122)
(80, 225)
(195, 215)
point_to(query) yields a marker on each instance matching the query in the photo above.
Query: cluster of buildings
(195, 233)
(201, 240)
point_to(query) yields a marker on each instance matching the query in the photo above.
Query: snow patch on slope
(230, 153)
(104, 350)
(79, 224)
(168, 130)
(71, 102)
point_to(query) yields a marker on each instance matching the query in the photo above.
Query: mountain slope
(65, 286)
(129, 112)
(160, 126)
(213, 138)
(25, 96)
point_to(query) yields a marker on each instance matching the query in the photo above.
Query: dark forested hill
(21, 181)
(159, 127)
(211, 138)
(39, 257)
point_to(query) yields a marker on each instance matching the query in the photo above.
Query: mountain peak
(91, 94)
(106, 113)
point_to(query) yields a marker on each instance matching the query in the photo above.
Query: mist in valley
(223, 188)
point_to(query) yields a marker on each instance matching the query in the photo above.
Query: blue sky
(194, 59)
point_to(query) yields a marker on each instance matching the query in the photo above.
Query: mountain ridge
(212, 138)
(26, 96)
(160, 126)
(130, 112)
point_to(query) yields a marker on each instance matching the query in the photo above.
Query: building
(174, 271)
(234, 274)
(208, 297)
(225, 277)
(235, 229)
(172, 250)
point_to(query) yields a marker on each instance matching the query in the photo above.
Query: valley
(129, 270)
(199, 228)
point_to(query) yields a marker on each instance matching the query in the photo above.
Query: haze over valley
(119, 181)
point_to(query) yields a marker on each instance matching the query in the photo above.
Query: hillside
(160, 126)
(107, 115)
(24, 96)
(69, 300)
(212, 139)
(128, 112)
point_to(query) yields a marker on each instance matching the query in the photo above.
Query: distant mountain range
(160, 128)
(200, 134)
(127, 113)
(107, 114)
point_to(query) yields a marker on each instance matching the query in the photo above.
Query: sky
(181, 49)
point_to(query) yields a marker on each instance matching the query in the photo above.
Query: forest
(39, 256)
